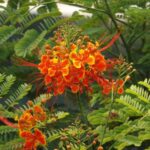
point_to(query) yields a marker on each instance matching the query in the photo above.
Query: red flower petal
(47, 79)
(120, 90)
(26, 134)
(74, 88)
(40, 136)
(65, 71)
(101, 66)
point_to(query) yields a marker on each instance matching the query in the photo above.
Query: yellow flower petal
(65, 71)
(81, 51)
(91, 60)
(73, 55)
(51, 72)
(76, 64)
(55, 60)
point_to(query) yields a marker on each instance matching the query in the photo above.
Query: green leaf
(127, 141)
(145, 83)
(22, 91)
(7, 129)
(2, 77)
(131, 103)
(91, 31)
(94, 99)
(6, 32)
(13, 144)
(29, 42)
(6, 85)
(144, 136)
(140, 93)
(98, 117)
(40, 17)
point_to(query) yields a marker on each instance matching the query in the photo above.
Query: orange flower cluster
(108, 86)
(27, 122)
(72, 68)
(75, 67)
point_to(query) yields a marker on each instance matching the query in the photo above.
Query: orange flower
(74, 88)
(81, 58)
(32, 140)
(38, 113)
(117, 86)
(90, 60)
(47, 79)
(64, 67)
(26, 121)
(51, 72)
(120, 90)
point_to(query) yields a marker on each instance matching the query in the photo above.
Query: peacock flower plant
(76, 66)
(73, 65)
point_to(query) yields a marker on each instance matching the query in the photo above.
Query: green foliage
(18, 24)
(13, 144)
(6, 85)
(128, 120)
(29, 42)
(6, 32)
(10, 94)
(74, 136)
(7, 133)
(17, 95)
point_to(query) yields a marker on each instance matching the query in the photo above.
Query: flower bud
(30, 103)
(68, 147)
(100, 148)
(94, 142)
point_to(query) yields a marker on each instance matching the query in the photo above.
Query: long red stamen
(111, 42)
(8, 123)
(22, 62)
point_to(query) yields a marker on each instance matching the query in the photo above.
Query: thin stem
(80, 105)
(107, 119)
(81, 108)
